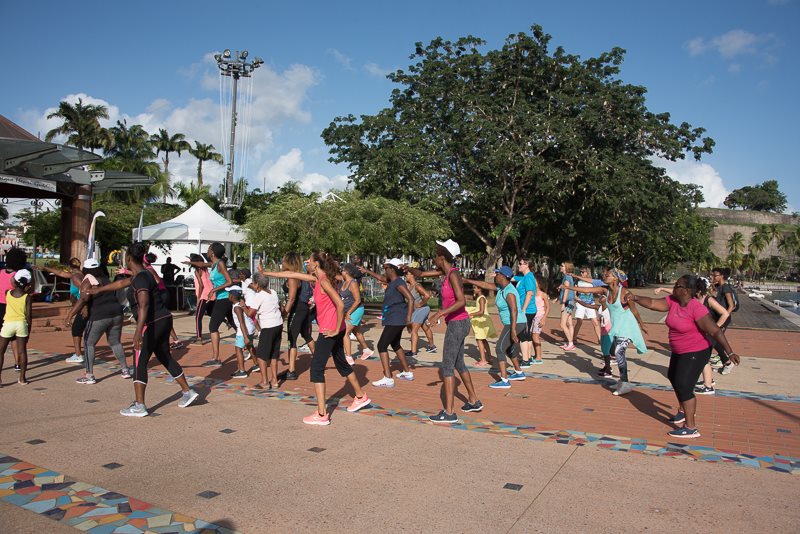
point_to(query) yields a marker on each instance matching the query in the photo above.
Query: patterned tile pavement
(87, 507)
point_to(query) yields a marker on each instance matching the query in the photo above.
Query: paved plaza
(556, 451)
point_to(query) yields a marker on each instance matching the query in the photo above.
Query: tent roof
(198, 223)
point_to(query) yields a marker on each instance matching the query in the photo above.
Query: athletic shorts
(239, 341)
(356, 316)
(582, 312)
(14, 329)
(536, 327)
(569, 308)
(420, 314)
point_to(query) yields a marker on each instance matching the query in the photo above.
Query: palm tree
(750, 262)
(189, 194)
(735, 250)
(204, 153)
(81, 125)
(165, 143)
(131, 151)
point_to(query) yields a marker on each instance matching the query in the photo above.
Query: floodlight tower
(236, 66)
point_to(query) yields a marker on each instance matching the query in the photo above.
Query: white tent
(198, 223)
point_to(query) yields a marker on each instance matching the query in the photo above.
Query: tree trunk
(199, 173)
(166, 174)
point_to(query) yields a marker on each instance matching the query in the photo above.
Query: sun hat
(451, 246)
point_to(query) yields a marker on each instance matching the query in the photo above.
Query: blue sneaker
(517, 376)
(444, 417)
(501, 384)
(538, 362)
(678, 418)
(684, 432)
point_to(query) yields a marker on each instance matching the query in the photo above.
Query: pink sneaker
(357, 403)
(317, 419)
(569, 347)
(349, 359)
(366, 354)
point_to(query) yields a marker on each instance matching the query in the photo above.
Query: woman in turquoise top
(75, 277)
(220, 279)
(626, 325)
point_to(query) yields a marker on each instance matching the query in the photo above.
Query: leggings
(112, 328)
(324, 349)
(723, 357)
(269, 343)
(618, 347)
(203, 306)
(390, 336)
(78, 326)
(155, 339)
(453, 351)
(684, 370)
(299, 324)
(221, 311)
(505, 347)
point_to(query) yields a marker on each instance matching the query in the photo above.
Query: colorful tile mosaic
(88, 507)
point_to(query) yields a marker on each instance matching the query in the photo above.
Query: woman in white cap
(398, 307)
(458, 325)
(105, 317)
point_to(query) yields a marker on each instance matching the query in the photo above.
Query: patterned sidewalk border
(778, 463)
(88, 507)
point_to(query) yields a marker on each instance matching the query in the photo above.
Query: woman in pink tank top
(322, 272)
(455, 315)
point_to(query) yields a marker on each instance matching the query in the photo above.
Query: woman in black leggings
(220, 279)
(689, 325)
(153, 327)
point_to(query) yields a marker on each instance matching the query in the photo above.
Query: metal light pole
(235, 66)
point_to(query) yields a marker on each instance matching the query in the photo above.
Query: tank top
(103, 305)
(15, 307)
(394, 304)
(347, 296)
(249, 324)
(6, 284)
(218, 279)
(623, 323)
(449, 298)
(326, 310)
(539, 307)
(304, 294)
(74, 291)
(206, 279)
(415, 294)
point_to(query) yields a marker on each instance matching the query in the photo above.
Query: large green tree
(522, 144)
(81, 125)
(764, 197)
(166, 143)
(204, 153)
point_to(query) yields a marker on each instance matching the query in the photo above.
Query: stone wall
(730, 221)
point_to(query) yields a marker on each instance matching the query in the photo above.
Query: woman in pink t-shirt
(322, 272)
(689, 322)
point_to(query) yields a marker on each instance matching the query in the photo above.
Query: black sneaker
(444, 417)
(478, 406)
(17, 368)
(678, 418)
(255, 369)
(704, 390)
(431, 349)
(604, 373)
(291, 375)
(239, 374)
(213, 363)
(525, 364)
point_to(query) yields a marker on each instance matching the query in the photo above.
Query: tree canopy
(764, 197)
(525, 149)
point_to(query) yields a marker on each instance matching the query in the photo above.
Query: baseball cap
(396, 262)
(234, 289)
(506, 271)
(451, 246)
(23, 274)
(91, 263)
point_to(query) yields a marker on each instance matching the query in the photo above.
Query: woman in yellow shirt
(17, 320)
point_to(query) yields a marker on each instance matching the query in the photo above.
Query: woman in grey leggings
(105, 317)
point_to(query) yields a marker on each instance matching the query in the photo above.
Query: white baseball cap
(451, 246)
(396, 262)
(91, 263)
(23, 273)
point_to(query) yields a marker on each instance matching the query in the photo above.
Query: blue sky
(729, 67)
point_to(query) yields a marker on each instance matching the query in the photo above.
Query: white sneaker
(405, 375)
(75, 358)
(353, 337)
(304, 349)
(384, 383)
(349, 359)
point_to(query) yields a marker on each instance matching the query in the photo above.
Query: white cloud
(340, 58)
(688, 171)
(696, 46)
(376, 70)
(734, 43)
(291, 167)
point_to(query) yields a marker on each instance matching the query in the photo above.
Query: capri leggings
(390, 336)
(203, 306)
(324, 348)
(112, 328)
(269, 343)
(155, 339)
(684, 370)
(453, 351)
(618, 347)
(222, 309)
(78, 326)
(299, 324)
(507, 348)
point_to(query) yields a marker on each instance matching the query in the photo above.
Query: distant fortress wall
(730, 221)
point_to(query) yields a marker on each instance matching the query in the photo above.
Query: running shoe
(501, 384)
(700, 382)
(86, 379)
(405, 375)
(177, 345)
(357, 403)
(384, 382)
(678, 418)
(444, 417)
(570, 347)
(412, 360)
(239, 374)
(317, 419)
(127, 373)
(623, 389)
(604, 373)
(726, 369)
(304, 349)
(614, 361)
(519, 375)
(538, 362)
(134, 410)
(247, 355)
(213, 363)
(255, 369)
(525, 363)
(366, 354)
(704, 390)
(468, 407)
(684, 432)
(715, 362)
(188, 398)
(291, 375)
(350, 360)
(353, 337)
(75, 358)
(431, 349)
(17, 368)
